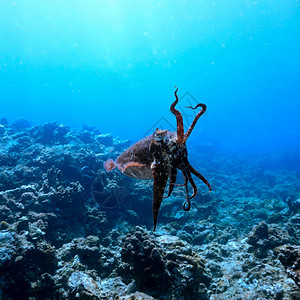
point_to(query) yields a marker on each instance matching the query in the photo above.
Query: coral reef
(68, 230)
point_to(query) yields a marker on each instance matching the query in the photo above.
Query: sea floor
(69, 230)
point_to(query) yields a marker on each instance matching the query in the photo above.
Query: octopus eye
(161, 135)
(157, 137)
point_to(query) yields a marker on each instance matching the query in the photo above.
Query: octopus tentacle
(195, 189)
(187, 203)
(199, 114)
(160, 177)
(185, 182)
(200, 176)
(172, 180)
(180, 130)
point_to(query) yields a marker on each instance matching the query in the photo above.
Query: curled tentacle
(196, 173)
(199, 114)
(195, 189)
(187, 203)
(172, 180)
(180, 131)
(189, 178)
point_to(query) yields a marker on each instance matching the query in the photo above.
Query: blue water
(114, 64)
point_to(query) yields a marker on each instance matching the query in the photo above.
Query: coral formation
(289, 256)
(264, 237)
(166, 265)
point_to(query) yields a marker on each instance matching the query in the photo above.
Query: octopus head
(161, 136)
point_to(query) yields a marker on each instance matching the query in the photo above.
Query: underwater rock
(293, 227)
(45, 287)
(44, 256)
(114, 287)
(105, 139)
(264, 237)
(96, 222)
(54, 177)
(84, 287)
(203, 233)
(3, 121)
(6, 247)
(141, 253)
(26, 263)
(20, 123)
(84, 136)
(7, 159)
(87, 127)
(2, 130)
(88, 250)
(137, 296)
(23, 224)
(165, 262)
(50, 133)
(260, 232)
(289, 256)
(294, 205)
(90, 253)
(4, 213)
(120, 145)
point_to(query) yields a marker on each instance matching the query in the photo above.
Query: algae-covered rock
(289, 256)
(6, 247)
(264, 237)
(84, 287)
(165, 262)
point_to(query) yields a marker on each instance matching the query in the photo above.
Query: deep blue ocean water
(114, 64)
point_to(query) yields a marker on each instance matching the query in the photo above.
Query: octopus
(159, 157)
